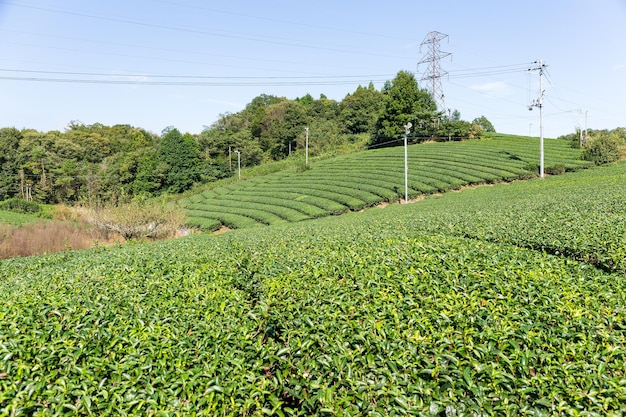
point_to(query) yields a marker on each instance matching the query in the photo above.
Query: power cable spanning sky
(182, 63)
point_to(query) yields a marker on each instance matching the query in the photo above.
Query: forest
(94, 163)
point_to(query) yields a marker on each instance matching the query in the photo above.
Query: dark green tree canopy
(403, 102)
(180, 157)
(359, 111)
(484, 123)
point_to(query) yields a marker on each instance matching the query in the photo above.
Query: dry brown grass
(82, 228)
(49, 237)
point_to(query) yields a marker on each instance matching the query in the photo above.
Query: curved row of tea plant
(357, 181)
(580, 215)
(365, 314)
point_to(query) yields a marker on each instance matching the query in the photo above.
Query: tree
(282, 124)
(323, 135)
(403, 102)
(602, 147)
(256, 112)
(323, 108)
(66, 182)
(180, 157)
(359, 111)
(148, 177)
(9, 161)
(484, 123)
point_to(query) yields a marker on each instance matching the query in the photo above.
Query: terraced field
(356, 181)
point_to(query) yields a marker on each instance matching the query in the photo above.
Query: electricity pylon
(434, 72)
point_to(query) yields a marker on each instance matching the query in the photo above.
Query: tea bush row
(365, 314)
(581, 215)
(357, 181)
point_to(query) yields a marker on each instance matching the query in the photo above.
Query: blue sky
(159, 63)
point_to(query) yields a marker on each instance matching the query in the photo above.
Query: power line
(164, 59)
(213, 81)
(188, 83)
(192, 30)
(302, 23)
(191, 76)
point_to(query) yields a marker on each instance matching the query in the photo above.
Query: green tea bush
(557, 169)
(357, 181)
(343, 318)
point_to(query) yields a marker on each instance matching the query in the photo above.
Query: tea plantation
(500, 300)
(364, 179)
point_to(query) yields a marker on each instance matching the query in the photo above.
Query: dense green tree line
(96, 163)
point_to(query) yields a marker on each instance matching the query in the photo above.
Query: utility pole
(449, 120)
(434, 73)
(539, 103)
(585, 135)
(407, 128)
(306, 130)
(579, 129)
(238, 163)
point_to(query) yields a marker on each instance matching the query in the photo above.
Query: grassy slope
(17, 219)
(426, 308)
(363, 179)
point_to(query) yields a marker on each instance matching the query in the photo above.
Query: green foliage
(458, 130)
(360, 110)
(563, 215)
(97, 163)
(19, 219)
(180, 157)
(601, 148)
(441, 307)
(556, 169)
(404, 102)
(83, 163)
(19, 205)
(9, 161)
(302, 167)
(484, 123)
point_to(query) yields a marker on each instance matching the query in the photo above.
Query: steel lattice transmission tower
(434, 72)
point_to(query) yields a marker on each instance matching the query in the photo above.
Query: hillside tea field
(502, 300)
(356, 181)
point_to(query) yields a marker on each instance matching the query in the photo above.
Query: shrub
(20, 206)
(603, 149)
(556, 169)
(302, 167)
(136, 220)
